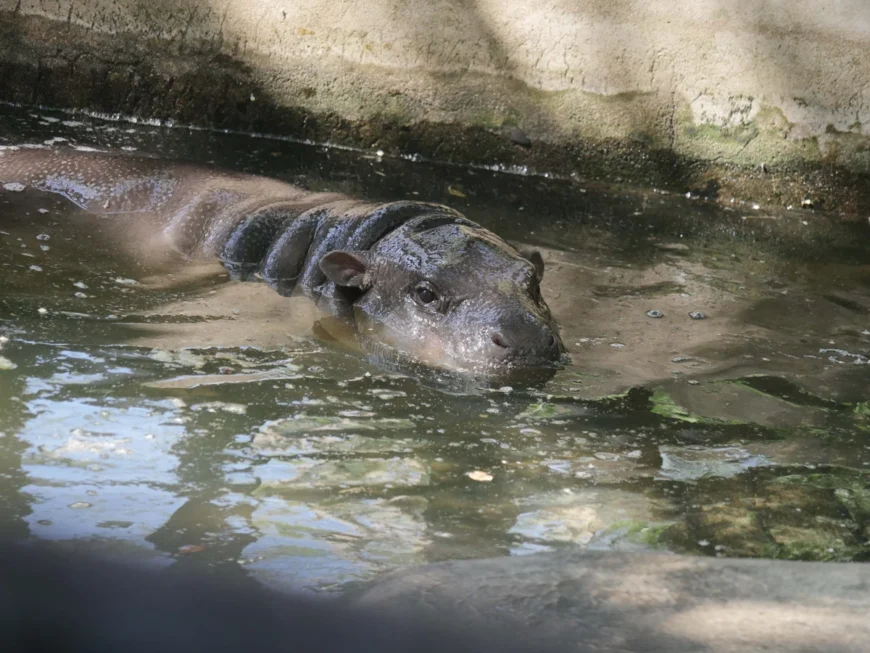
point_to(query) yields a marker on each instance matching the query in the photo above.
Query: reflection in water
(183, 416)
(14, 503)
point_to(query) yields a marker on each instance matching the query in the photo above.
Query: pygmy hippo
(420, 282)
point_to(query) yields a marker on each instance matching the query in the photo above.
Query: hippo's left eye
(425, 294)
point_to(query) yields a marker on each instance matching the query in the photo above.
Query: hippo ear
(534, 257)
(346, 268)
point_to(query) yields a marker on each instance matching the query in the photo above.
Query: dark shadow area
(83, 604)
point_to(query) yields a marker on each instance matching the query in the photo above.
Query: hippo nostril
(551, 341)
(499, 341)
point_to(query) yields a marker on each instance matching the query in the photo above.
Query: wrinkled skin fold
(423, 285)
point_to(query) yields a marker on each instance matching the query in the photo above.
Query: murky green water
(181, 416)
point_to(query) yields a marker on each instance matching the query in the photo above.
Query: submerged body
(422, 283)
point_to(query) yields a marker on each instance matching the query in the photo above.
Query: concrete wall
(643, 84)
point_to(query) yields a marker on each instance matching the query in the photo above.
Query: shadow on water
(198, 419)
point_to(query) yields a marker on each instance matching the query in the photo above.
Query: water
(176, 416)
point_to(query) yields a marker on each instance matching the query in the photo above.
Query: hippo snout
(535, 343)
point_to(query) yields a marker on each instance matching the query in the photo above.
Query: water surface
(178, 416)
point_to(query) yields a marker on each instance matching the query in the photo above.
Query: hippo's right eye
(425, 294)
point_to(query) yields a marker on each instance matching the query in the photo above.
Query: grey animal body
(420, 280)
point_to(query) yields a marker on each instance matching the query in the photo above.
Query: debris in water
(480, 476)
(655, 314)
(214, 406)
(42, 311)
(192, 548)
(14, 187)
(79, 504)
(43, 237)
(697, 315)
(6, 364)
(386, 394)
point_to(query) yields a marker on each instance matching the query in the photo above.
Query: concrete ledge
(634, 602)
(762, 101)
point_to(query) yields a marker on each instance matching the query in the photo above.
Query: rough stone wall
(663, 91)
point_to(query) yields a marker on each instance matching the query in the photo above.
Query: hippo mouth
(517, 372)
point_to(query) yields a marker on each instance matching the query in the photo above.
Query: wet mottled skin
(422, 283)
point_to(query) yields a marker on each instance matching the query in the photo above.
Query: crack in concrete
(745, 145)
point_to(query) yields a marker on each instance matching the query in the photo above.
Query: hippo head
(453, 296)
